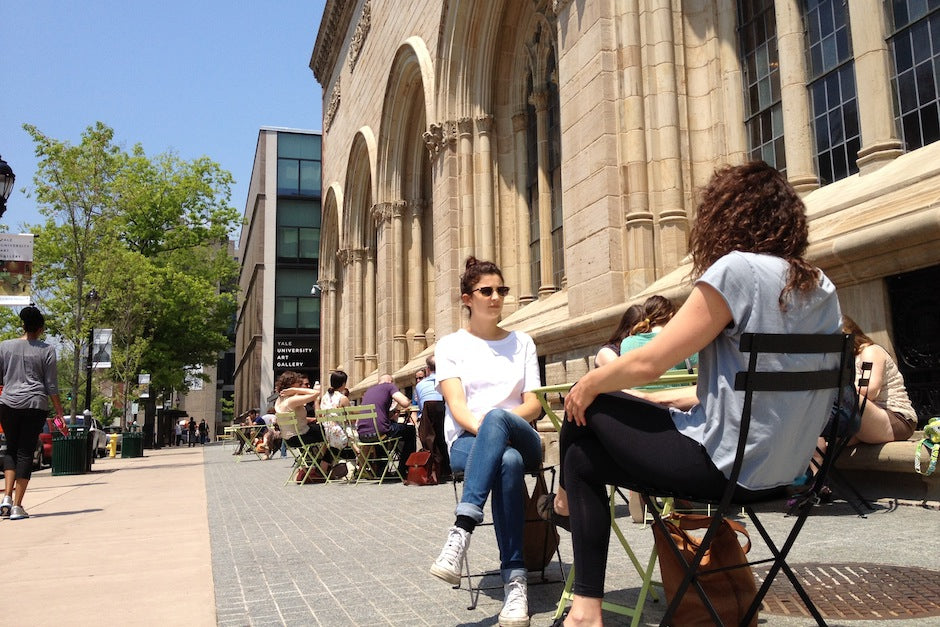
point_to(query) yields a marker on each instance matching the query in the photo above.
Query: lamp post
(92, 299)
(6, 184)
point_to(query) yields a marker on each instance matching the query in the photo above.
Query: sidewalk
(329, 555)
(127, 543)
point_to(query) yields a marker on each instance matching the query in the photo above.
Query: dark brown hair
(753, 208)
(630, 317)
(860, 339)
(32, 318)
(337, 380)
(657, 311)
(475, 269)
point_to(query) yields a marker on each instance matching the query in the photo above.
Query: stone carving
(434, 138)
(343, 256)
(560, 5)
(465, 126)
(484, 124)
(359, 37)
(332, 107)
(519, 121)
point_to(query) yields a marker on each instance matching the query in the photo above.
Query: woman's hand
(578, 400)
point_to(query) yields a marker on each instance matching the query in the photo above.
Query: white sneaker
(449, 563)
(515, 612)
(6, 506)
(17, 512)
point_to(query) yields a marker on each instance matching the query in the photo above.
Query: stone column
(880, 141)
(667, 168)
(397, 271)
(465, 161)
(357, 318)
(797, 123)
(416, 283)
(485, 215)
(523, 259)
(539, 100)
(370, 356)
(640, 255)
(328, 324)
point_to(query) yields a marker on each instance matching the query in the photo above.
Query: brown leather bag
(730, 591)
(421, 470)
(540, 538)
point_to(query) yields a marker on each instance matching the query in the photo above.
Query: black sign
(296, 353)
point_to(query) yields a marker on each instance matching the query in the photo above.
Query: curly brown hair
(288, 379)
(860, 340)
(753, 208)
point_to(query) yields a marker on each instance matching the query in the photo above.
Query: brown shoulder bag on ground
(540, 538)
(730, 591)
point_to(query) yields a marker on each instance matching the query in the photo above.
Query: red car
(43, 454)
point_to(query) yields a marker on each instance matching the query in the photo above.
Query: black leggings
(21, 428)
(627, 442)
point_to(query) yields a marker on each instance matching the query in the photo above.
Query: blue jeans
(496, 460)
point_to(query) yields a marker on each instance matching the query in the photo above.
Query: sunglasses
(487, 291)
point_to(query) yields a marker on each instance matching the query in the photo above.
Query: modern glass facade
(297, 310)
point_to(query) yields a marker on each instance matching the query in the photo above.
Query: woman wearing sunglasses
(486, 375)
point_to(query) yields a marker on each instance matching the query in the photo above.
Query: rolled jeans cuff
(470, 510)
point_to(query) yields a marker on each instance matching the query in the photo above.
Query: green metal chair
(374, 453)
(306, 456)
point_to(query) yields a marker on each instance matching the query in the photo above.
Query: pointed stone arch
(331, 281)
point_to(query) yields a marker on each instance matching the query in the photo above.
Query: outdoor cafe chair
(375, 452)
(306, 457)
(644, 568)
(752, 383)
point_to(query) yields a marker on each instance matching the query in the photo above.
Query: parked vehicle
(43, 453)
(96, 432)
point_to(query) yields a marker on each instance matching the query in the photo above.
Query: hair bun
(471, 261)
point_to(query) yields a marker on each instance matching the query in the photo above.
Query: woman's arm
(456, 399)
(700, 319)
(604, 356)
(683, 398)
(877, 356)
(530, 409)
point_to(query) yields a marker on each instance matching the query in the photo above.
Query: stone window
(833, 100)
(757, 33)
(915, 47)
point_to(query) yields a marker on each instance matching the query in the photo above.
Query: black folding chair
(842, 425)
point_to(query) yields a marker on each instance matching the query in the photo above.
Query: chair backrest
(838, 378)
(364, 416)
(288, 423)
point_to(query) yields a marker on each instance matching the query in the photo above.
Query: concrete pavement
(195, 538)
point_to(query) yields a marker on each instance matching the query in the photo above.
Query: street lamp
(6, 184)
(92, 299)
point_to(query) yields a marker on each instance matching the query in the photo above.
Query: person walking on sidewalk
(29, 375)
(486, 375)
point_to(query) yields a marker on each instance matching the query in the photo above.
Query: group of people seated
(749, 276)
(262, 432)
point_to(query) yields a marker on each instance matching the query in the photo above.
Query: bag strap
(702, 521)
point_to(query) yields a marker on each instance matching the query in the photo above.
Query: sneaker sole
(447, 575)
(513, 622)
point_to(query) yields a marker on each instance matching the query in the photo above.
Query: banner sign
(296, 353)
(143, 381)
(101, 352)
(16, 269)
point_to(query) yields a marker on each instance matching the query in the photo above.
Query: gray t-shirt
(784, 425)
(29, 374)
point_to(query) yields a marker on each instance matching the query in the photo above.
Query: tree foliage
(150, 236)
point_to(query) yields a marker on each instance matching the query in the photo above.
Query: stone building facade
(566, 139)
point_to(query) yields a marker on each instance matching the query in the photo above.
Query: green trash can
(70, 453)
(132, 444)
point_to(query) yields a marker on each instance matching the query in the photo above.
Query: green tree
(73, 190)
(151, 236)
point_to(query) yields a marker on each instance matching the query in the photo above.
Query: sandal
(546, 509)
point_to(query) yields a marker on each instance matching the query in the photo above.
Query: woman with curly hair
(750, 276)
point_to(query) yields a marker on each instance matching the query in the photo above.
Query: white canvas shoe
(515, 612)
(449, 563)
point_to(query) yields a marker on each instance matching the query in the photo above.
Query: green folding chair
(306, 456)
(375, 452)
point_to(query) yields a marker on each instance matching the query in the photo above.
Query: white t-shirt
(494, 374)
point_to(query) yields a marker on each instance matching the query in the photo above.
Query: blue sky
(196, 77)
